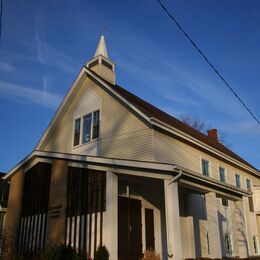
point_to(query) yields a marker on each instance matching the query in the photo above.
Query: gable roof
(153, 112)
(146, 110)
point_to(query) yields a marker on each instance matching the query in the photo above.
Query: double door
(130, 229)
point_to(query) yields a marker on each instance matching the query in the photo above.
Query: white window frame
(201, 166)
(240, 180)
(250, 184)
(81, 129)
(225, 173)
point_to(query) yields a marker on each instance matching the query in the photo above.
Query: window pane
(228, 244)
(95, 130)
(86, 128)
(248, 184)
(76, 132)
(238, 183)
(255, 244)
(225, 202)
(205, 167)
(222, 176)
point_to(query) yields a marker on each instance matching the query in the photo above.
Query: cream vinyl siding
(122, 134)
(170, 150)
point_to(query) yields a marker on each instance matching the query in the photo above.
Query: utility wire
(1, 14)
(207, 60)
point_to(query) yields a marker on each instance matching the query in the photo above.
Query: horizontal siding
(122, 134)
(170, 150)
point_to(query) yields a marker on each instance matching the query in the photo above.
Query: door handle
(130, 228)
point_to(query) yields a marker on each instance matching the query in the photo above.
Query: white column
(110, 221)
(213, 225)
(240, 228)
(173, 225)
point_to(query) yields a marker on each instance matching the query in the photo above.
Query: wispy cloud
(179, 84)
(50, 56)
(6, 66)
(248, 127)
(39, 97)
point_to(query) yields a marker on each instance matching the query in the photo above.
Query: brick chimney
(213, 134)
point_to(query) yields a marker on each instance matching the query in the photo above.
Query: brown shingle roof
(151, 111)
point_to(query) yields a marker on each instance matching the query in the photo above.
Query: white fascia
(150, 166)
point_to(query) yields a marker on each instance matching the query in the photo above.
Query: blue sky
(45, 44)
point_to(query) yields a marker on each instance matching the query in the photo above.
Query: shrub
(150, 254)
(62, 252)
(102, 253)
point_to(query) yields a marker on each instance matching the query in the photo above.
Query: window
(255, 242)
(95, 132)
(86, 203)
(76, 132)
(208, 243)
(228, 244)
(225, 202)
(248, 184)
(205, 167)
(238, 181)
(106, 64)
(87, 130)
(251, 204)
(222, 176)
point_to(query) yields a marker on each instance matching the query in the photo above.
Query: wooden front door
(129, 229)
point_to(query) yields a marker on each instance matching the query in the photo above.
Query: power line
(209, 63)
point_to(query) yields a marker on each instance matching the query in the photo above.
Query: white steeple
(101, 48)
(101, 64)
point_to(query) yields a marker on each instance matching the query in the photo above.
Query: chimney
(213, 134)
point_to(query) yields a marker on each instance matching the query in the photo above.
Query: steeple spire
(101, 64)
(101, 48)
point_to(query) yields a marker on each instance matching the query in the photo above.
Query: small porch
(128, 206)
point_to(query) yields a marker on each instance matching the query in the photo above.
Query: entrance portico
(130, 206)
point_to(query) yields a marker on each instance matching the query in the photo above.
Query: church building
(112, 169)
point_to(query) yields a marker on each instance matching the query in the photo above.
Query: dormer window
(88, 130)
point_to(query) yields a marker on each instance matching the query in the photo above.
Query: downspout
(175, 178)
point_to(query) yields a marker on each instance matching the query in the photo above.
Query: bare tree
(201, 125)
(195, 122)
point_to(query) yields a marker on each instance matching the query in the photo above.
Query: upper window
(86, 134)
(88, 130)
(205, 167)
(76, 132)
(222, 175)
(238, 181)
(248, 184)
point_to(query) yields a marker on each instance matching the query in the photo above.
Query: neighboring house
(113, 169)
(4, 191)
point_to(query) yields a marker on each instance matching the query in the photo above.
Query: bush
(150, 254)
(102, 253)
(62, 252)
